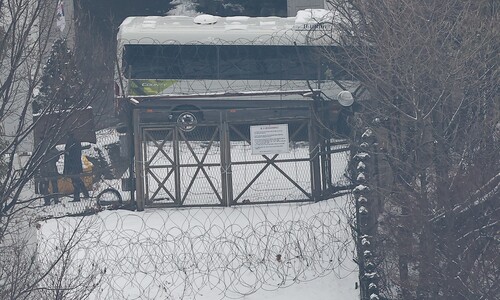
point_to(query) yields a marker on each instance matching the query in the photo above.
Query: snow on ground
(285, 251)
(273, 251)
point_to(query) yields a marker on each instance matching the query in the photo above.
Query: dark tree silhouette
(61, 82)
(253, 8)
(431, 68)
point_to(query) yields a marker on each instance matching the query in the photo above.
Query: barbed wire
(196, 69)
(183, 253)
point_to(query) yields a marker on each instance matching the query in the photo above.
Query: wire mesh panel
(222, 157)
(105, 166)
(182, 167)
(260, 178)
(159, 165)
(200, 166)
(339, 156)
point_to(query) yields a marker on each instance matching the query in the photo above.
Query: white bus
(180, 58)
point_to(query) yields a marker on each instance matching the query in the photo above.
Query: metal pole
(227, 178)
(223, 167)
(314, 156)
(176, 165)
(139, 170)
(131, 150)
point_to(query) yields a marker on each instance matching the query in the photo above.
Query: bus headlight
(345, 98)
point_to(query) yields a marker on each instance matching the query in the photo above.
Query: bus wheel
(187, 121)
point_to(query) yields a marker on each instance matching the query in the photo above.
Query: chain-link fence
(214, 159)
(105, 167)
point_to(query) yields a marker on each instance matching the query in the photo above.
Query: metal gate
(213, 165)
(179, 171)
(269, 178)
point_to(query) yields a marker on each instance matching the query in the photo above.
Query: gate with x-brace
(213, 165)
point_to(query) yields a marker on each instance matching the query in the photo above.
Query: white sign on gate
(269, 139)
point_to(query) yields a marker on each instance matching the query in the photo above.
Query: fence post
(225, 145)
(366, 216)
(139, 168)
(314, 152)
(176, 165)
(128, 151)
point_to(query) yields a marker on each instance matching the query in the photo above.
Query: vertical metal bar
(322, 149)
(314, 156)
(139, 176)
(131, 152)
(327, 172)
(223, 165)
(145, 164)
(229, 171)
(227, 180)
(176, 166)
(326, 157)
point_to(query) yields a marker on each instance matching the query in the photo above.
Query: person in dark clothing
(344, 122)
(73, 166)
(49, 175)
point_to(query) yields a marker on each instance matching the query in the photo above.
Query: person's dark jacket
(73, 157)
(48, 168)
